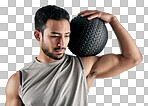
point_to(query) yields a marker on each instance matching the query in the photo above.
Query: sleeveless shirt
(60, 83)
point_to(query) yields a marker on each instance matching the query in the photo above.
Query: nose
(61, 41)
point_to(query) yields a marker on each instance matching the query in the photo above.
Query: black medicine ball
(88, 37)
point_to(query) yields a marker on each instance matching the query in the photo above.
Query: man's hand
(95, 13)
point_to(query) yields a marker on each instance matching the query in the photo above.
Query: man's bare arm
(112, 64)
(115, 64)
(12, 96)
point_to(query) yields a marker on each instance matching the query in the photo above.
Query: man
(57, 79)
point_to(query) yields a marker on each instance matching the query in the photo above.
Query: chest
(62, 85)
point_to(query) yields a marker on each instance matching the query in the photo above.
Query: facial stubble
(49, 54)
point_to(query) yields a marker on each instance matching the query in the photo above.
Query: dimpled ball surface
(88, 37)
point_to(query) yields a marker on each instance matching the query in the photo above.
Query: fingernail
(89, 18)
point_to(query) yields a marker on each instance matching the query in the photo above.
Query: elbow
(138, 60)
(134, 61)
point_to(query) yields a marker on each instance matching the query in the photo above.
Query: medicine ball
(88, 37)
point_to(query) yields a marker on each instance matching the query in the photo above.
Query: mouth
(59, 50)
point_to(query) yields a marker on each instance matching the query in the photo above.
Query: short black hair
(49, 12)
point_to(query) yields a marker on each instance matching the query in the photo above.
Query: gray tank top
(60, 83)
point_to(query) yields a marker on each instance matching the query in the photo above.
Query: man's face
(56, 38)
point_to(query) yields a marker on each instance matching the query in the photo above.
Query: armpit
(90, 78)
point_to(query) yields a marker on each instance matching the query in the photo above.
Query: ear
(37, 35)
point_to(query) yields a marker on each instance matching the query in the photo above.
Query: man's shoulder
(13, 84)
(71, 57)
(27, 65)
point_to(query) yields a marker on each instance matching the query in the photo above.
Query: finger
(82, 12)
(94, 16)
(88, 13)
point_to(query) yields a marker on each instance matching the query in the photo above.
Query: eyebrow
(59, 33)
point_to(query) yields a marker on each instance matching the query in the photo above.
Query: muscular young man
(58, 79)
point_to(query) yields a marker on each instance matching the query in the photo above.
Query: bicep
(111, 65)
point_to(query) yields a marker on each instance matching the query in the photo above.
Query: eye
(54, 36)
(67, 36)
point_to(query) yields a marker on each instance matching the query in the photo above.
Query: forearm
(127, 44)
